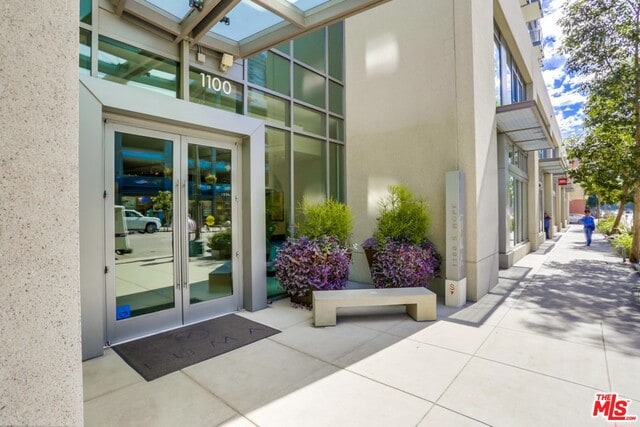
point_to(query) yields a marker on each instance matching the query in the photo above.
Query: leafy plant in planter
(318, 257)
(399, 253)
(328, 218)
(403, 217)
(305, 264)
(220, 245)
(401, 264)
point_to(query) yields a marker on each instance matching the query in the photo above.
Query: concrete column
(533, 222)
(504, 243)
(563, 206)
(557, 206)
(548, 200)
(40, 355)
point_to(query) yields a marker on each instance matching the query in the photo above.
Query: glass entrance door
(210, 241)
(171, 260)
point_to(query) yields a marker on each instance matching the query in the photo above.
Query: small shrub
(402, 264)
(220, 241)
(305, 264)
(623, 240)
(605, 225)
(403, 217)
(328, 218)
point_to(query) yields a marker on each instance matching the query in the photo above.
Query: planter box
(306, 299)
(369, 253)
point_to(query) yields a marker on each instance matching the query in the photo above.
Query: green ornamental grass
(403, 217)
(327, 218)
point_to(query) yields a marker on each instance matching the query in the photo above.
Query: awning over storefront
(524, 125)
(554, 165)
(240, 27)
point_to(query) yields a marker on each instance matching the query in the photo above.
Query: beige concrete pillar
(548, 200)
(40, 356)
(533, 206)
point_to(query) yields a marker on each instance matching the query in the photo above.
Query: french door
(172, 251)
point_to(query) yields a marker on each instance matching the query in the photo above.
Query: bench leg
(422, 311)
(323, 315)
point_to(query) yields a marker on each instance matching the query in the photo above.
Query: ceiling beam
(284, 10)
(316, 18)
(194, 18)
(212, 18)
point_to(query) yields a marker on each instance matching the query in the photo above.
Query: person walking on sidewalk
(589, 225)
(547, 224)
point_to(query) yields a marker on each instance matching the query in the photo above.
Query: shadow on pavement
(579, 296)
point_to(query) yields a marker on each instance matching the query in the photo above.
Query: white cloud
(563, 88)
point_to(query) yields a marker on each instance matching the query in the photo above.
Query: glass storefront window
(270, 71)
(336, 174)
(215, 91)
(121, 63)
(85, 11)
(268, 107)
(85, 52)
(310, 49)
(336, 50)
(308, 120)
(506, 76)
(336, 103)
(277, 179)
(518, 94)
(336, 128)
(309, 170)
(284, 48)
(511, 214)
(308, 86)
(517, 210)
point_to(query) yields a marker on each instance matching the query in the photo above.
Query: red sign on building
(562, 181)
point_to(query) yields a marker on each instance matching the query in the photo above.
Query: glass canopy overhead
(240, 27)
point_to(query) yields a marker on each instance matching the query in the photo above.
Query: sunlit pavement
(561, 326)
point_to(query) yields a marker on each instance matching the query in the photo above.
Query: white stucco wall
(40, 368)
(419, 100)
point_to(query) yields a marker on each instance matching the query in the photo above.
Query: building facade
(230, 137)
(192, 169)
(446, 86)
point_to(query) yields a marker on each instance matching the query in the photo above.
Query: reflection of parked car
(575, 218)
(139, 222)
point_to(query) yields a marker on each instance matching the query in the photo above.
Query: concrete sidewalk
(561, 326)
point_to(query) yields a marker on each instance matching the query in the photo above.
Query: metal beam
(212, 18)
(194, 18)
(284, 10)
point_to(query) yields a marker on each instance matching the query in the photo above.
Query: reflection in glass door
(173, 254)
(143, 209)
(209, 229)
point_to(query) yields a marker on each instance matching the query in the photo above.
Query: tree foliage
(602, 43)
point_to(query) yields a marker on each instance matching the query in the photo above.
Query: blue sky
(563, 88)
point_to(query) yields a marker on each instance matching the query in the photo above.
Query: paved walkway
(561, 326)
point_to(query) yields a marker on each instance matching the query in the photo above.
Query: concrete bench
(420, 302)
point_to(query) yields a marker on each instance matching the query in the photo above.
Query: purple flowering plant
(305, 264)
(402, 264)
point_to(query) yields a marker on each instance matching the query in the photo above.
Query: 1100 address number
(216, 84)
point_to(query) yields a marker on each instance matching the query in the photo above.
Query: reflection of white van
(137, 221)
(121, 231)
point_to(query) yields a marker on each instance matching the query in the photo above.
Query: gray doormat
(158, 355)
